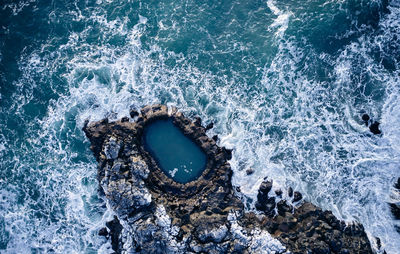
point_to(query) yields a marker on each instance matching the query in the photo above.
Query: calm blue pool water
(285, 83)
(178, 156)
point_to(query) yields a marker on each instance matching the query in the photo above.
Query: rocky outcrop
(158, 215)
(395, 205)
(305, 228)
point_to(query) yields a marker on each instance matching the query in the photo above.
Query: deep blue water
(285, 83)
(178, 156)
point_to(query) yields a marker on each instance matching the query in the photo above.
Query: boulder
(297, 196)
(374, 128)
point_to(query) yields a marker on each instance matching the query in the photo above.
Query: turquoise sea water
(178, 156)
(285, 83)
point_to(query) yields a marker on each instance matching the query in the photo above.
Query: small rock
(133, 113)
(215, 138)
(278, 192)
(103, 232)
(374, 128)
(209, 126)
(365, 118)
(104, 121)
(85, 124)
(397, 185)
(265, 187)
(297, 196)
(124, 119)
(290, 192)
(378, 242)
(197, 121)
(395, 211)
(139, 119)
(283, 207)
(263, 191)
(249, 171)
(227, 153)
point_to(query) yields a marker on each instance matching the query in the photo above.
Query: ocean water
(177, 155)
(284, 82)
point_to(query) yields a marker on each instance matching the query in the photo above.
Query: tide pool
(178, 156)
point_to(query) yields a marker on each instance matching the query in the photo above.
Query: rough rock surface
(395, 205)
(158, 215)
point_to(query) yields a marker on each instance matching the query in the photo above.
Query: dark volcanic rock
(158, 215)
(115, 231)
(374, 128)
(103, 232)
(290, 192)
(215, 138)
(395, 207)
(283, 208)
(209, 126)
(297, 196)
(265, 187)
(395, 211)
(279, 192)
(373, 125)
(265, 203)
(397, 185)
(365, 117)
(133, 113)
(249, 171)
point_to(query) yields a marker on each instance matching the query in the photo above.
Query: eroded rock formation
(159, 215)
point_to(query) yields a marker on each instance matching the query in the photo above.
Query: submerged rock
(374, 128)
(373, 125)
(155, 214)
(365, 118)
(249, 171)
(209, 126)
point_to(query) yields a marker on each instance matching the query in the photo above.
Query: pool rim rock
(216, 170)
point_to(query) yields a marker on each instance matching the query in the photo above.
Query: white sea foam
(173, 172)
(281, 23)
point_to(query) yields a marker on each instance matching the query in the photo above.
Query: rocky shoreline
(158, 215)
